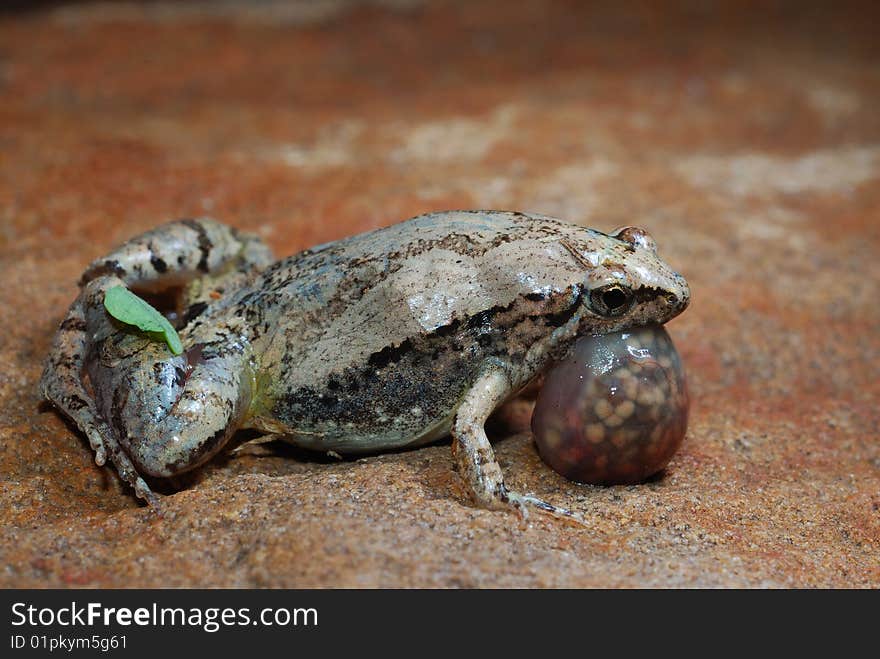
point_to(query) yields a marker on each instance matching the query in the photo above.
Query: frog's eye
(612, 300)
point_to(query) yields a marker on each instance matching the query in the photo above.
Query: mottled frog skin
(387, 339)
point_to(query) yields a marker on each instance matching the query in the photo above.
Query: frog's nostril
(684, 292)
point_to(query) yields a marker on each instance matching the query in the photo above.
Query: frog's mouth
(665, 304)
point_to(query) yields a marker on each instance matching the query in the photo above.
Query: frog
(387, 340)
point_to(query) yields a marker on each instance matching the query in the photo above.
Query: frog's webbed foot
(474, 457)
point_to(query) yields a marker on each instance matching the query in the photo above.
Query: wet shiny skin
(387, 339)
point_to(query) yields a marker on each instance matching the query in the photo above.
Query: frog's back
(322, 275)
(379, 288)
(469, 232)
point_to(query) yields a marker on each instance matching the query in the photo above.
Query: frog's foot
(129, 473)
(257, 445)
(520, 501)
(62, 384)
(475, 459)
(490, 493)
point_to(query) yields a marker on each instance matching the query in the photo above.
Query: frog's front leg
(473, 454)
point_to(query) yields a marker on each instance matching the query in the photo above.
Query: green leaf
(128, 308)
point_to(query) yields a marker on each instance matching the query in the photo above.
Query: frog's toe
(143, 491)
(97, 444)
(130, 474)
(526, 501)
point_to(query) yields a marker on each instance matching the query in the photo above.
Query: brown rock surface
(746, 138)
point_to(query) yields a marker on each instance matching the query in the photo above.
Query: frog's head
(628, 283)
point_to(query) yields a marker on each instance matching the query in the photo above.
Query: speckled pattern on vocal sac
(615, 409)
(387, 339)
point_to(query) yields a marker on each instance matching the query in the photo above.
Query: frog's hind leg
(151, 412)
(196, 260)
(177, 252)
(173, 254)
(474, 456)
(62, 384)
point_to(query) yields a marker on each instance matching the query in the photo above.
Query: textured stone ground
(745, 137)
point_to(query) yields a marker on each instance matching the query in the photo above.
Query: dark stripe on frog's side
(562, 317)
(397, 388)
(396, 375)
(388, 355)
(478, 327)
